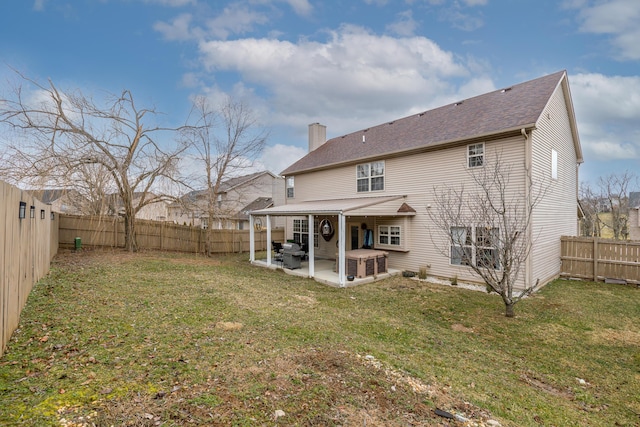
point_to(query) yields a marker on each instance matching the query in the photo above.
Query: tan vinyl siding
(415, 176)
(556, 214)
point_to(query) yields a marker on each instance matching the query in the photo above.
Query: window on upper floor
(475, 155)
(290, 185)
(370, 176)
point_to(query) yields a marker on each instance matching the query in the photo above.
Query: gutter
(423, 148)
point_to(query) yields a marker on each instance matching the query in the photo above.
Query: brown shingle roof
(492, 113)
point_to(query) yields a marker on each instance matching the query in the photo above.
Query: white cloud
(619, 18)
(301, 7)
(38, 5)
(404, 25)
(235, 19)
(353, 76)
(178, 29)
(278, 157)
(608, 112)
(475, 2)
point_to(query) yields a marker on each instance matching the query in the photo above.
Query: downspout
(528, 155)
(341, 249)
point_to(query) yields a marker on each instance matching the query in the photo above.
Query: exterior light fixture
(53, 216)
(23, 210)
(41, 213)
(32, 212)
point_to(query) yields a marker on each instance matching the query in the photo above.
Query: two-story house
(236, 196)
(373, 188)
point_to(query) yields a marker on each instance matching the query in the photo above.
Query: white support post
(269, 248)
(311, 253)
(252, 240)
(342, 273)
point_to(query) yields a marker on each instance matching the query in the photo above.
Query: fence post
(596, 255)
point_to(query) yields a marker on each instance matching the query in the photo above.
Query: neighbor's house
(62, 200)
(382, 179)
(155, 211)
(236, 197)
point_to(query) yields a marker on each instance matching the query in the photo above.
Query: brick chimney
(317, 135)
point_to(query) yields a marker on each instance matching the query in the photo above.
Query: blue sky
(346, 64)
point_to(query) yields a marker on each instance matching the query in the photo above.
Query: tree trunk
(509, 309)
(130, 243)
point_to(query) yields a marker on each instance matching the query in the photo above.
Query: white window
(290, 184)
(389, 235)
(475, 246)
(301, 231)
(370, 176)
(475, 155)
(554, 164)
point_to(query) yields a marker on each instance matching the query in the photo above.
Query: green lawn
(173, 339)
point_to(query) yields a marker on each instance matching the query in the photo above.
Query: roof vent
(458, 103)
(506, 89)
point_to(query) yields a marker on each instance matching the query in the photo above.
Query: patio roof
(363, 206)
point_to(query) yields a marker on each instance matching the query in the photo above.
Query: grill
(292, 254)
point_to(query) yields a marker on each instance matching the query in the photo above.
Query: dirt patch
(540, 384)
(311, 387)
(458, 327)
(306, 299)
(229, 326)
(614, 336)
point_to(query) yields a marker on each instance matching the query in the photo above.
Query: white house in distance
(235, 198)
(375, 186)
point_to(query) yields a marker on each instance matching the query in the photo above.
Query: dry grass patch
(112, 338)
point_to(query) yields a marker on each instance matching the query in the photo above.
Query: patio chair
(277, 251)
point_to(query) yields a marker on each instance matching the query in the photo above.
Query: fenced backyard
(596, 259)
(108, 232)
(28, 242)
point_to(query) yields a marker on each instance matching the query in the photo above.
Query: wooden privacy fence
(28, 242)
(600, 259)
(101, 231)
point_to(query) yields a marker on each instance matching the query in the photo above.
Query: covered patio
(329, 264)
(325, 273)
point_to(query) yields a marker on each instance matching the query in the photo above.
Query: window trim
(474, 243)
(290, 185)
(395, 229)
(475, 156)
(301, 226)
(369, 178)
(554, 164)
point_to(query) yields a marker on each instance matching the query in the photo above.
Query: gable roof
(498, 112)
(259, 203)
(226, 186)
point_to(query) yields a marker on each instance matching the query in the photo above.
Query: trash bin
(78, 243)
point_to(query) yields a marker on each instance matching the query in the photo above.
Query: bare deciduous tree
(67, 138)
(592, 207)
(615, 189)
(487, 225)
(226, 140)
